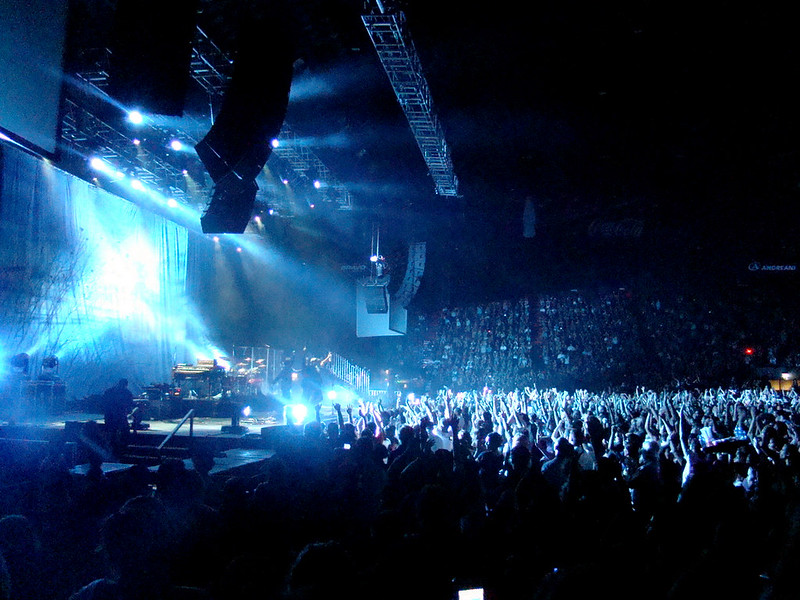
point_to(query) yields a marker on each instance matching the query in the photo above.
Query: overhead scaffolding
(387, 30)
(211, 68)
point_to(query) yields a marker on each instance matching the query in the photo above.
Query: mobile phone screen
(471, 594)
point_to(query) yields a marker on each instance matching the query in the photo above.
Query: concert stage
(237, 449)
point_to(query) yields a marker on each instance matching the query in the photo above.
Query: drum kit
(250, 375)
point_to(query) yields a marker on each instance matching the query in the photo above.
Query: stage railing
(353, 375)
(190, 416)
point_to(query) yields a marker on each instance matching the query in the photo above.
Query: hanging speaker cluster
(237, 146)
(150, 71)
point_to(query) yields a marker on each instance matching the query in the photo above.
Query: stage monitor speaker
(151, 51)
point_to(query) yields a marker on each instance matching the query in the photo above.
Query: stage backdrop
(90, 278)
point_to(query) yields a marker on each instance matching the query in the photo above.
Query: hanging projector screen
(31, 61)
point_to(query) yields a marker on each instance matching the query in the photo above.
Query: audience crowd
(485, 478)
(532, 493)
(611, 339)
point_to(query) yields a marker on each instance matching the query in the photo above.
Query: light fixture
(135, 117)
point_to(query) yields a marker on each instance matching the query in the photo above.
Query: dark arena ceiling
(646, 138)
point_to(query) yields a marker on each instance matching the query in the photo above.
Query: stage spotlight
(317, 184)
(135, 117)
(332, 395)
(246, 411)
(137, 185)
(285, 181)
(216, 239)
(275, 143)
(298, 413)
(97, 164)
(172, 203)
(136, 141)
(176, 145)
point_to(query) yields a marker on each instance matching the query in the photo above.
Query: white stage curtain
(88, 277)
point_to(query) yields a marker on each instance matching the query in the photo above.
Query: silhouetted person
(117, 405)
(138, 543)
(21, 547)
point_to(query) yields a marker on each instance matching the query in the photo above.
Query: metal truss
(306, 165)
(211, 68)
(84, 135)
(399, 58)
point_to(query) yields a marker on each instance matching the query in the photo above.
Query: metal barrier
(190, 416)
(353, 375)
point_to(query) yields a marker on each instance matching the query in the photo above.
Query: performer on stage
(117, 405)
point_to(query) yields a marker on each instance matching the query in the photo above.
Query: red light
(749, 351)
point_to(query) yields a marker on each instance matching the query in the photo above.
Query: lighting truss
(306, 165)
(211, 68)
(83, 134)
(387, 30)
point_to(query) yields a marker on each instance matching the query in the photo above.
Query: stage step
(153, 452)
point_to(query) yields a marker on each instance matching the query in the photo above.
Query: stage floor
(201, 426)
(225, 463)
(229, 457)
